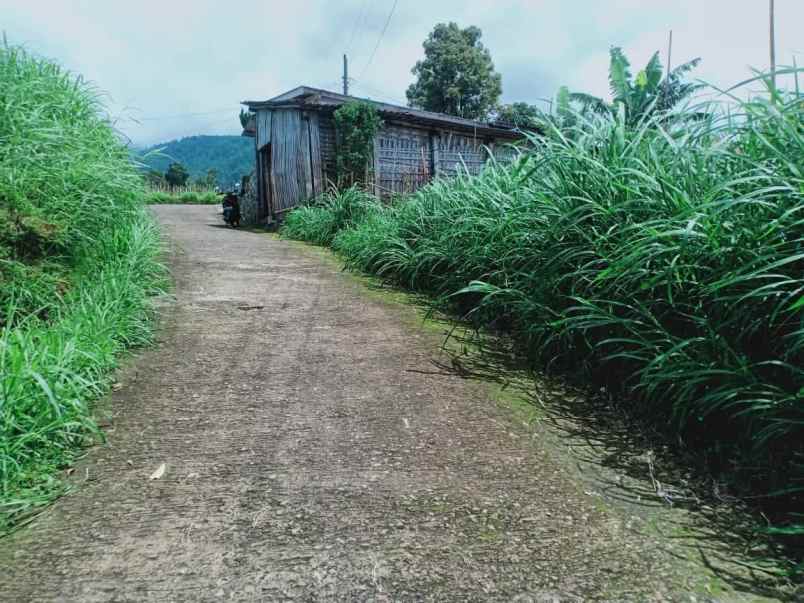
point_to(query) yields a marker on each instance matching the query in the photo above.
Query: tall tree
(520, 115)
(176, 174)
(457, 74)
(643, 95)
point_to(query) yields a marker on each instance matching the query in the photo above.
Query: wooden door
(290, 161)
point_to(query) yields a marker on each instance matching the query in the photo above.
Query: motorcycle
(231, 210)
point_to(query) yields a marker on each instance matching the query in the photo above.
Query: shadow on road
(627, 462)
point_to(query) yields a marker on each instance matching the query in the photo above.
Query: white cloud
(160, 59)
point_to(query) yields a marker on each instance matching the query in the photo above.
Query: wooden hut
(296, 148)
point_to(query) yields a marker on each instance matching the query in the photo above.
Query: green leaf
(619, 75)
(642, 79)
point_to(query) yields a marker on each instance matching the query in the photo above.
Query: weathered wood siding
(297, 157)
(403, 159)
(407, 157)
(263, 128)
(291, 181)
(459, 152)
(316, 170)
(265, 206)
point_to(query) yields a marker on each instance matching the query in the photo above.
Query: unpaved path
(312, 452)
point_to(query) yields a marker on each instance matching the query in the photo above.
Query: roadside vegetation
(186, 197)
(78, 263)
(659, 257)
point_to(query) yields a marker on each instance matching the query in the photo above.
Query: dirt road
(312, 452)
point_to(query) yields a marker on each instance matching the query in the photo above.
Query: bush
(356, 124)
(665, 265)
(77, 264)
(319, 221)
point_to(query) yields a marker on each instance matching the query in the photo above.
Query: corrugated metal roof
(317, 97)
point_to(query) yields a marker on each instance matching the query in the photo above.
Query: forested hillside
(230, 156)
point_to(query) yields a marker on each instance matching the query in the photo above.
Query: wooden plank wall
(316, 170)
(259, 176)
(403, 159)
(407, 157)
(263, 128)
(266, 207)
(302, 155)
(460, 152)
(290, 155)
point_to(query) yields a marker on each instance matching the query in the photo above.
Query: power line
(384, 29)
(183, 115)
(378, 93)
(358, 25)
(198, 129)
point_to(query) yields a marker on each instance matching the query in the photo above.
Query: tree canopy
(457, 74)
(520, 115)
(176, 174)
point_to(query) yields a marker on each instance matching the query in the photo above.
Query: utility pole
(670, 54)
(345, 76)
(772, 50)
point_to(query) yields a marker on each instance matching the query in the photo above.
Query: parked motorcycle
(231, 210)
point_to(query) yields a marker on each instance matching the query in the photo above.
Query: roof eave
(307, 96)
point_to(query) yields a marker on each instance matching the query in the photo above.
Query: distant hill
(231, 156)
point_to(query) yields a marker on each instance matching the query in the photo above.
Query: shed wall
(407, 158)
(300, 153)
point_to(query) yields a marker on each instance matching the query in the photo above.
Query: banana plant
(644, 95)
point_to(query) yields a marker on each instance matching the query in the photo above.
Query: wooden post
(376, 164)
(258, 175)
(433, 154)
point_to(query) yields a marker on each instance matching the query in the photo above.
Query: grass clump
(187, 198)
(319, 221)
(77, 265)
(663, 262)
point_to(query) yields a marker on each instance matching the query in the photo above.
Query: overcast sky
(174, 68)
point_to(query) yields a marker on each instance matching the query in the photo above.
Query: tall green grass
(663, 262)
(186, 198)
(77, 265)
(322, 219)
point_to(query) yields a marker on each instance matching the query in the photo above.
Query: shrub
(356, 124)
